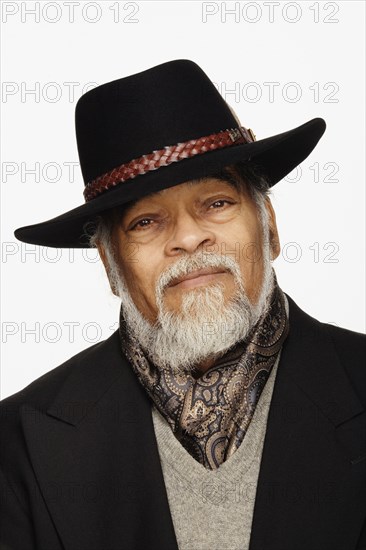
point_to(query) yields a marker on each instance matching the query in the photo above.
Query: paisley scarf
(210, 415)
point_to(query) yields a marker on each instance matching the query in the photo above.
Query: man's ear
(274, 240)
(103, 257)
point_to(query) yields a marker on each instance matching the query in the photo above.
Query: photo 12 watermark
(70, 12)
(275, 91)
(291, 252)
(270, 12)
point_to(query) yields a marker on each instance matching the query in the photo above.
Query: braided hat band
(165, 156)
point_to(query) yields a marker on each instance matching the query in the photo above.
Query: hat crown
(124, 119)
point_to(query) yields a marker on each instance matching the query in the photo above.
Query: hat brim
(277, 155)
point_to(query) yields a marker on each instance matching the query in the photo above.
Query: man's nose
(188, 234)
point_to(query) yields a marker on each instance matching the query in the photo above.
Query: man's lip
(194, 274)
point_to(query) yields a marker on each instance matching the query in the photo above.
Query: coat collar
(308, 358)
(307, 344)
(98, 434)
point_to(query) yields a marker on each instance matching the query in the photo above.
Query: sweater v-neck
(189, 469)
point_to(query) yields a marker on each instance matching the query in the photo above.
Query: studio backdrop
(278, 64)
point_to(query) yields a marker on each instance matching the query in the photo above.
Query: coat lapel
(310, 481)
(96, 460)
(95, 455)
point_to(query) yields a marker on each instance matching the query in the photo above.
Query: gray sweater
(213, 509)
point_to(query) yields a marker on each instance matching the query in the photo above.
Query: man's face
(201, 225)
(210, 216)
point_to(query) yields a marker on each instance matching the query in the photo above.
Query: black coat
(81, 469)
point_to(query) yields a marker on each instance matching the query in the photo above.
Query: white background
(313, 51)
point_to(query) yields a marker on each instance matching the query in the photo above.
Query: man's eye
(220, 201)
(140, 224)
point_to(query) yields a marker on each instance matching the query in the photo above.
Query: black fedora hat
(156, 129)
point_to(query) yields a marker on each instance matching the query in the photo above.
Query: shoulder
(79, 381)
(349, 345)
(347, 342)
(41, 392)
(351, 349)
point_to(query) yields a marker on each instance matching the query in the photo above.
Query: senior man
(219, 415)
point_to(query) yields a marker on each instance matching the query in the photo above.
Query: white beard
(205, 327)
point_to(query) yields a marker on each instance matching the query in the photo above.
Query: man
(219, 415)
